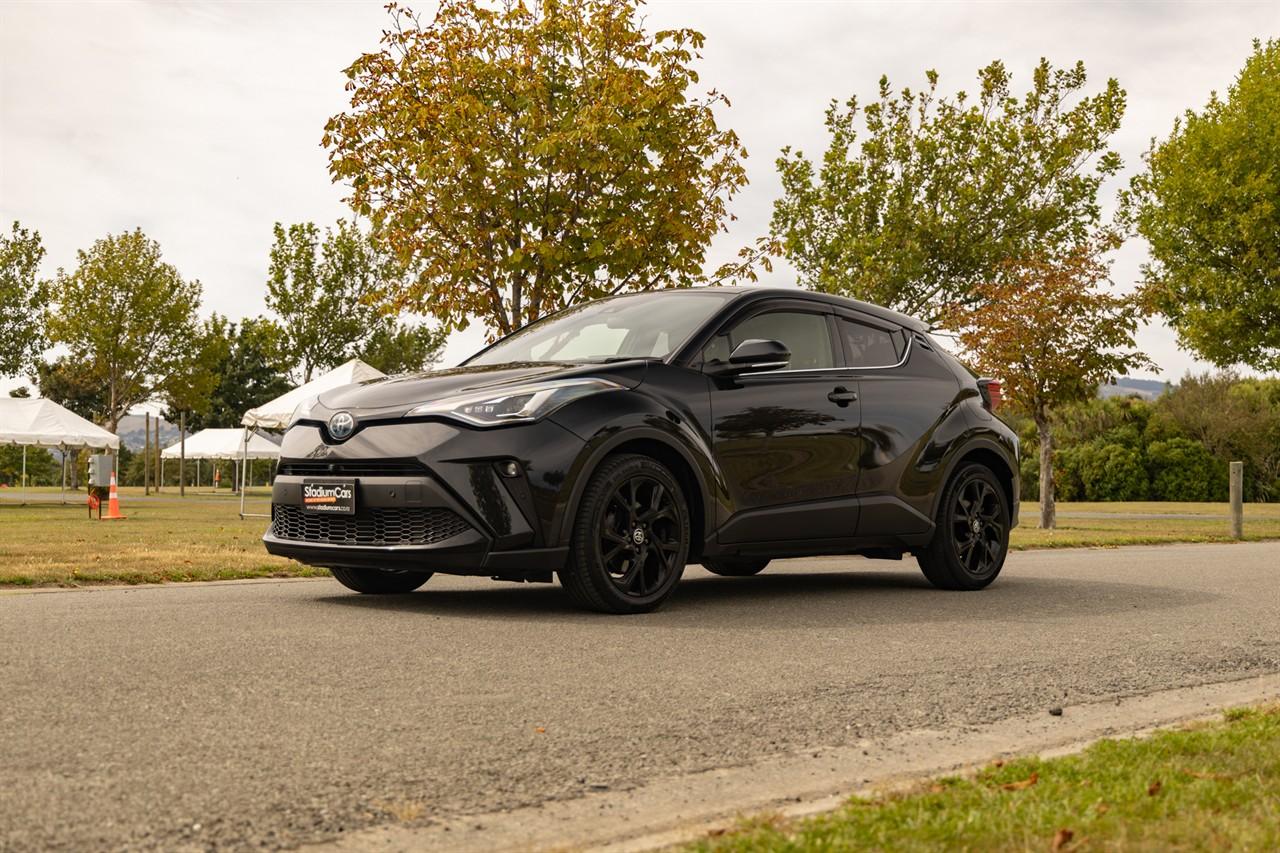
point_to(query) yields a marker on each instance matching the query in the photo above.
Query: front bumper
(426, 499)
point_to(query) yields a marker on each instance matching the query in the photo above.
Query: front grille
(353, 468)
(375, 526)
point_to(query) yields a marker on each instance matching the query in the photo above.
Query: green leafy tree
(1208, 205)
(1052, 331)
(524, 157)
(1185, 470)
(74, 385)
(42, 468)
(403, 348)
(941, 194)
(323, 291)
(128, 314)
(245, 367)
(23, 300)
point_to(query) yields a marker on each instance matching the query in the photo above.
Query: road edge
(675, 810)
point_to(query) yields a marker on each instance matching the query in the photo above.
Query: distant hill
(132, 428)
(1147, 389)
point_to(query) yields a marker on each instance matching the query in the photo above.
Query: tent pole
(64, 475)
(244, 451)
(146, 453)
(24, 475)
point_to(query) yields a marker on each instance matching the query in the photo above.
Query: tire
(630, 538)
(735, 567)
(373, 582)
(971, 537)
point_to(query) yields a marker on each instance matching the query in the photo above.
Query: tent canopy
(275, 415)
(223, 444)
(46, 424)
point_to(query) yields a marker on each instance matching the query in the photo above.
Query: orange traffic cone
(113, 502)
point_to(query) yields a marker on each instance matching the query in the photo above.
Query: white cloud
(201, 123)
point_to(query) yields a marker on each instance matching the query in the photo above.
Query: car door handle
(842, 396)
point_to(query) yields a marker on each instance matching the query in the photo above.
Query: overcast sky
(201, 122)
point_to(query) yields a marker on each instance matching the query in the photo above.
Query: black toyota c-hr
(616, 441)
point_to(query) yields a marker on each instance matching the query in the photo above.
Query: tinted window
(870, 346)
(806, 335)
(635, 326)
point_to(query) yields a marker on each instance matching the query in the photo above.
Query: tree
(1208, 205)
(245, 368)
(943, 194)
(23, 300)
(402, 348)
(74, 385)
(324, 292)
(525, 157)
(1052, 332)
(129, 315)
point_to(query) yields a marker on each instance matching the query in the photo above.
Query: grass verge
(1213, 786)
(202, 537)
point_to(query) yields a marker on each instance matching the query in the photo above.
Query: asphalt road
(274, 713)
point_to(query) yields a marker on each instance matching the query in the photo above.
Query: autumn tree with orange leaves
(1051, 330)
(522, 157)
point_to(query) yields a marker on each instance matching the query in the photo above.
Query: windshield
(642, 325)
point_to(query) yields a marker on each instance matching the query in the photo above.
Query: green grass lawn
(202, 537)
(1210, 787)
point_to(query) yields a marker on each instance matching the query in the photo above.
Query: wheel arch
(661, 446)
(994, 457)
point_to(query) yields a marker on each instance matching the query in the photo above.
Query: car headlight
(302, 410)
(517, 404)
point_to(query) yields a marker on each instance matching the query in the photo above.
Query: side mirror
(752, 355)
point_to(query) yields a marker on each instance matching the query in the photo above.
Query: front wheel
(971, 538)
(630, 539)
(373, 582)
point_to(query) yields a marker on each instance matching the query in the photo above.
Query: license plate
(329, 496)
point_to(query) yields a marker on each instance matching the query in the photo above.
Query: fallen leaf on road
(1061, 839)
(540, 730)
(1023, 785)
(1154, 788)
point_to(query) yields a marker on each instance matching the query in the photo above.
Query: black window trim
(882, 325)
(795, 306)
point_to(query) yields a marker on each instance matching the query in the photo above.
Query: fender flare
(967, 446)
(599, 452)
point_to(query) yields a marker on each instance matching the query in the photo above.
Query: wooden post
(1237, 500)
(146, 453)
(159, 466)
(182, 454)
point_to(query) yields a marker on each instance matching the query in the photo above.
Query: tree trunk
(1048, 510)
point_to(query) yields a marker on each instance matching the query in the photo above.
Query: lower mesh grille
(375, 526)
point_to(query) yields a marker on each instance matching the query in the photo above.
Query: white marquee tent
(276, 414)
(237, 444)
(223, 444)
(43, 423)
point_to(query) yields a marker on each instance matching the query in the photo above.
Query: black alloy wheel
(971, 539)
(631, 539)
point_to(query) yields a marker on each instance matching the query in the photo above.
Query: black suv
(615, 441)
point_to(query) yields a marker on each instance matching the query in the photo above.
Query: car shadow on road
(812, 599)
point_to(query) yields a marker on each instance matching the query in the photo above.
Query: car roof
(745, 293)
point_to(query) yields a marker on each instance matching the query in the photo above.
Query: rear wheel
(736, 567)
(971, 539)
(630, 539)
(373, 582)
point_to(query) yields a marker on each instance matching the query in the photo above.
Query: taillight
(992, 396)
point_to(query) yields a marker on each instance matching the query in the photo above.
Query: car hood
(393, 394)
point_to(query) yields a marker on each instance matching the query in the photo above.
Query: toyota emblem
(341, 425)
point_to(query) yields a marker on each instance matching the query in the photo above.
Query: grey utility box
(100, 470)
